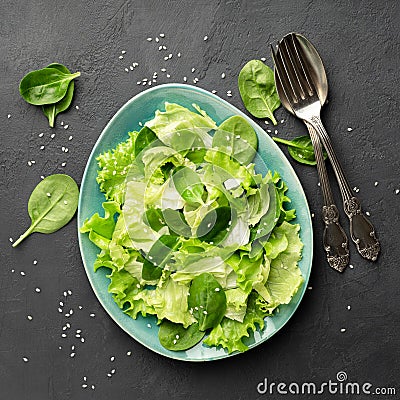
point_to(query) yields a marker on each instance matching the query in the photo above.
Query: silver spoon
(361, 230)
(334, 239)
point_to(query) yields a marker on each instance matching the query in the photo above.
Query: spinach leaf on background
(301, 149)
(213, 226)
(257, 89)
(52, 110)
(51, 205)
(208, 301)
(45, 86)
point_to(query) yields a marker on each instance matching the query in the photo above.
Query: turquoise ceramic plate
(140, 109)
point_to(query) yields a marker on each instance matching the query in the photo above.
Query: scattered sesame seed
(41, 147)
(193, 69)
(163, 69)
(161, 35)
(8, 116)
(70, 138)
(77, 107)
(62, 123)
(52, 136)
(312, 215)
(64, 335)
(123, 51)
(25, 359)
(63, 164)
(128, 353)
(348, 307)
(37, 290)
(84, 386)
(349, 129)
(82, 340)
(263, 59)
(29, 317)
(92, 315)
(223, 75)
(22, 273)
(217, 289)
(11, 239)
(121, 57)
(309, 288)
(397, 191)
(113, 371)
(176, 336)
(109, 375)
(179, 55)
(367, 213)
(41, 177)
(34, 262)
(126, 69)
(351, 266)
(205, 38)
(93, 387)
(60, 310)
(112, 358)
(149, 325)
(184, 79)
(149, 39)
(174, 341)
(343, 330)
(48, 194)
(205, 312)
(85, 378)
(41, 134)
(29, 164)
(376, 183)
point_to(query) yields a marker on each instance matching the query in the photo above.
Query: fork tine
(281, 78)
(296, 51)
(292, 69)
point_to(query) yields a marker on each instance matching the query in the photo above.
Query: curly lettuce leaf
(182, 129)
(230, 333)
(236, 304)
(114, 166)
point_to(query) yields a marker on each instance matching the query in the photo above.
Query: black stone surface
(359, 43)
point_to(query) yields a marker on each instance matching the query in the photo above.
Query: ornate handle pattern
(362, 231)
(334, 239)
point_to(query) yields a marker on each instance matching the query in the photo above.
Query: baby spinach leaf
(238, 138)
(175, 337)
(144, 138)
(51, 205)
(52, 110)
(45, 86)
(207, 300)
(158, 256)
(258, 91)
(213, 227)
(153, 217)
(176, 222)
(301, 149)
(188, 185)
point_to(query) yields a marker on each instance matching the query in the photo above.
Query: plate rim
(93, 154)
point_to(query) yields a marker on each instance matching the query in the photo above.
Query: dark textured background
(359, 43)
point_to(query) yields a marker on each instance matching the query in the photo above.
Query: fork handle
(362, 231)
(334, 238)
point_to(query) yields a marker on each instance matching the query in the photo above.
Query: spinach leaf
(207, 300)
(238, 137)
(188, 185)
(144, 138)
(52, 110)
(153, 217)
(175, 337)
(213, 227)
(270, 218)
(158, 256)
(176, 223)
(45, 86)
(301, 149)
(258, 91)
(51, 205)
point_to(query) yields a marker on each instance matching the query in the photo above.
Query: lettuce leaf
(114, 166)
(236, 304)
(182, 129)
(230, 334)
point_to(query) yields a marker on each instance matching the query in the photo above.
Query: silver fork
(301, 93)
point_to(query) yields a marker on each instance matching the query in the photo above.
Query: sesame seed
(48, 194)
(34, 262)
(367, 213)
(92, 315)
(82, 340)
(29, 164)
(59, 310)
(174, 341)
(41, 134)
(109, 375)
(376, 183)
(149, 325)
(184, 79)
(113, 371)
(348, 307)
(343, 330)
(112, 358)
(309, 288)
(128, 353)
(149, 39)
(205, 312)
(8, 116)
(84, 386)
(77, 107)
(126, 69)
(41, 147)
(37, 290)
(263, 59)
(351, 266)
(123, 51)
(93, 387)
(161, 35)
(349, 129)
(162, 69)
(179, 54)
(205, 38)
(121, 57)
(63, 164)
(25, 359)
(11, 239)
(85, 378)
(62, 123)
(52, 136)
(29, 317)
(131, 68)
(22, 273)
(223, 75)
(41, 177)
(63, 335)
(397, 191)
(177, 336)
(193, 69)
(217, 289)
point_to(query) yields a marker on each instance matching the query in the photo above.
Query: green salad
(191, 233)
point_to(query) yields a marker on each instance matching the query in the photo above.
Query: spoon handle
(362, 231)
(334, 239)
